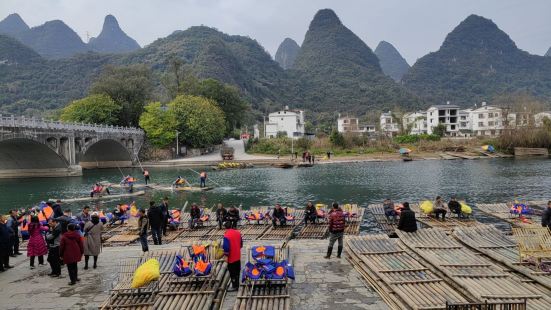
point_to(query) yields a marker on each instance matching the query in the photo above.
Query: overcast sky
(415, 27)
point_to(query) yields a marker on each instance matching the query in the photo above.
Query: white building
(486, 120)
(539, 117)
(346, 124)
(465, 124)
(416, 122)
(447, 114)
(388, 125)
(291, 122)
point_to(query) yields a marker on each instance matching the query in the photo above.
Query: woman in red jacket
(37, 244)
(71, 250)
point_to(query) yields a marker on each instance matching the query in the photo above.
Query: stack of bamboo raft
(169, 292)
(398, 276)
(477, 276)
(265, 294)
(501, 248)
(503, 211)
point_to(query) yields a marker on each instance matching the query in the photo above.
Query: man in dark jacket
(407, 221)
(233, 216)
(53, 238)
(194, 216)
(278, 215)
(5, 245)
(221, 214)
(58, 211)
(310, 213)
(155, 222)
(454, 206)
(166, 215)
(13, 225)
(336, 229)
(546, 216)
(65, 219)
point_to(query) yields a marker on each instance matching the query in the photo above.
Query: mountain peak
(392, 63)
(287, 53)
(53, 39)
(112, 38)
(13, 24)
(325, 18)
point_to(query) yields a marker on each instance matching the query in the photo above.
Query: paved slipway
(239, 154)
(320, 283)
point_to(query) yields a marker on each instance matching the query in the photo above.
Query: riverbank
(319, 284)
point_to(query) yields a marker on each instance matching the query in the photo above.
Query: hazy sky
(415, 27)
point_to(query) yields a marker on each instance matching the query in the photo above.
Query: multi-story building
(448, 115)
(486, 120)
(465, 126)
(389, 126)
(347, 124)
(290, 122)
(415, 122)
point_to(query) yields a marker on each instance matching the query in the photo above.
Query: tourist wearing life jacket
(390, 213)
(278, 215)
(310, 213)
(336, 229)
(203, 178)
(13, 224)
(179, 182)
(407, 221)
(71, 249)
(146, 176)
(53, 238)
(118, 214)
(546, 216)
(195, 215)
(129, 180)
(155, 217)
(221, 214)
(233, 242)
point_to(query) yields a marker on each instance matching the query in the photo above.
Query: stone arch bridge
(32, 147)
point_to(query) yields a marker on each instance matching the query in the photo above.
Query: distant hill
(287, 53)
(392, 63)
(53, 40)
(476, 62)
(548, 52)
(12, 25)
(112, 39)
(337, 71)
(13, 52)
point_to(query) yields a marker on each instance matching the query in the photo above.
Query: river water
(476, 181)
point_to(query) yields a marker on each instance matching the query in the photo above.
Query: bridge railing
(25, 122)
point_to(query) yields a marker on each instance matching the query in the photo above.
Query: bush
(408, 139)
(337, 139)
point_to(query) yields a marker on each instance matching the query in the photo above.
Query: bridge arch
(104, 153)
(26, 152)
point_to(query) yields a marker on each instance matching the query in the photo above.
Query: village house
(288, 122)
(347, 124)
(448, 115)
(415, 122)
(486, 120)
(388, 125)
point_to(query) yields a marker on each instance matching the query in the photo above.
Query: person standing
(439, 208)
(546, 216)
(53, 238)
(336, 230)
(232, 250)
(58, 211)
(155, 217)
(37, 245)
(407, 220)
(71, 249)
(166, 214)
(85, 216)
(203, 178)
(310, 213)
(146, 176)
(13, 224)
(92, 244)
(221, 214)
(5, 245)
(143, 223)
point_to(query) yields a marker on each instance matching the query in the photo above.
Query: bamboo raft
(171, 235)
(180, 189)
(253, 231)
(196, 234)
(314, 231)
(476, 275)
(449, 224)
(277, 233)
(265, 294)
(121, 240)
(502, 211)
(378, 213)
(502, 248)
(398, 276)
(103, 197)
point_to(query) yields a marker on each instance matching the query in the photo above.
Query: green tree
(159, 124)
(94, 109)
(129, 86)
(439, 130)
(199, 120)
(337, 139)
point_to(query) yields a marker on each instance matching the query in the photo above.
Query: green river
(476, 181)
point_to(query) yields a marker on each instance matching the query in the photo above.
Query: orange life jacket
(198, 249)
(45, 214)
